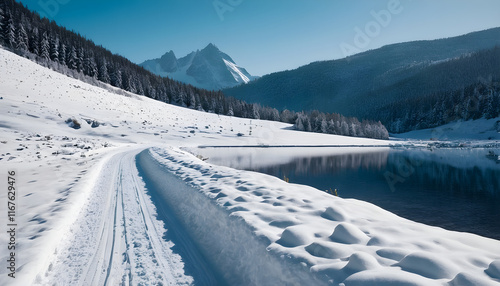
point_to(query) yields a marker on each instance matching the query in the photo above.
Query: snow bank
(317, 235)
(226, 241)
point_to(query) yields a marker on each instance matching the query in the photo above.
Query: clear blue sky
(263, 36)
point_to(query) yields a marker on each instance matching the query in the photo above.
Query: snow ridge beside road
(332, 239)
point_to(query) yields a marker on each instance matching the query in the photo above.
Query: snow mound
(361, 261)
(333, 214)
(348, 234)
(293, 236)
(387, 277)
(428, 265)
(494, 269)
(327, 250)
(466, 279)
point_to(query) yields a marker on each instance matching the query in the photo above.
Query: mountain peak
(208, 68)
(168, 62)
(170, 53)
(211, 46)
(211, 50)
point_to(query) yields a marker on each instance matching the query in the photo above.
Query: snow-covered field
(472, 130)
(103, 203)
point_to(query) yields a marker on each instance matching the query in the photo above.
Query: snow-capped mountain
(209, 68)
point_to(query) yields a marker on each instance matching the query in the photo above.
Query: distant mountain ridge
(209, 69)
(363, 83)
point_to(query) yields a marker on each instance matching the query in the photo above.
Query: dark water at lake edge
(454, 189)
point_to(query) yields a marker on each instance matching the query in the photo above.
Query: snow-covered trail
(116, 238)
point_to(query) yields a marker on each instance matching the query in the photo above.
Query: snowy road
(117, 238)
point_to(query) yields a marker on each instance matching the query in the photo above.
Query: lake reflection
(451, 188)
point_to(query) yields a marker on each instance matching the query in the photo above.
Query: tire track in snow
(101, 265)
(116, 239)
(146, 234)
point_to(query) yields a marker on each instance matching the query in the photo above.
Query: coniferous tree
(198, 103)
(90, 67)
(22, 39)
(116, 78)
(45, 47)
(9, 31)
(54, 48)
(80, 59)
(230, 111)
(62, 54)
(254, 111)
(34, 43)
(2, 17)
(72, 58)
(103, 74)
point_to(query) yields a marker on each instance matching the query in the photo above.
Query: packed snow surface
(108, 195)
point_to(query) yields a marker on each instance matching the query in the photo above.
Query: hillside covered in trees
(25, 33)
(389, 83)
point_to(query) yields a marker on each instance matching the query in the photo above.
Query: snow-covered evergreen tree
(275, 115)
(331, 127)
(62, 54)
(45, 47)
(72, 58)
(103, 74)
(9, 31)
(80, 59)
(34, 43)
(344, 127)
(2, 17)
(191, 100)
(22, 39)
(116, 78)
(197, 102)
(324, 126)
(90, 66)
(255, 111)
(54, 48)
(230, 111)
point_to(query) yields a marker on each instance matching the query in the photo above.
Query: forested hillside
(25, 33)
(365, 84)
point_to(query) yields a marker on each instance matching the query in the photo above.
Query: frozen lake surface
(457, 189)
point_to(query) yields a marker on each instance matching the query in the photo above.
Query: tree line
(465, 88)
(25, 33)
(480, 100)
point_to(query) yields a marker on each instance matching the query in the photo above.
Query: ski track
(116, 239)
